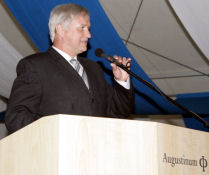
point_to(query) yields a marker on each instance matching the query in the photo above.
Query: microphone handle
(113, 60)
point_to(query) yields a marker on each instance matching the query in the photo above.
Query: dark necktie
(76, 65)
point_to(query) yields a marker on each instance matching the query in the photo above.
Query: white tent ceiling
(194, 15)
(160, 44)
(152, 33)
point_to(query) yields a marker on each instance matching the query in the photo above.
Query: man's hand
(119, 73)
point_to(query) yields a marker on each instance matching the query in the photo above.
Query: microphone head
(99, 52)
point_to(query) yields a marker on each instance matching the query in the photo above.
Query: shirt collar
(64, 54)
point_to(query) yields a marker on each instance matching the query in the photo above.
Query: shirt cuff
(125, 84)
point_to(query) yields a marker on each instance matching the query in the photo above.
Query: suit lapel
(68, 72)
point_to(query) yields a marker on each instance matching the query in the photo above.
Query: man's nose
(88, 34)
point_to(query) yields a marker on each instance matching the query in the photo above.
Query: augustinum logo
(173, 161)
(203, 163)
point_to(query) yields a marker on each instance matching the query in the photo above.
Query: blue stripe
(199, 103)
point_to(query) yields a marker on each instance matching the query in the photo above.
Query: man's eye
(84, 28)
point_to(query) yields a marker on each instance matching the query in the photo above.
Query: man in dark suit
(50, 83)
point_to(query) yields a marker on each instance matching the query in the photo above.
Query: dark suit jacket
(46, 84)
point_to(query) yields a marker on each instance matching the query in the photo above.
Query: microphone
(100, 53)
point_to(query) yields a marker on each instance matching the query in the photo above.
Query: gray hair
(64, 14)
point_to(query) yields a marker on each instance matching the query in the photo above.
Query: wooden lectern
(78, 145)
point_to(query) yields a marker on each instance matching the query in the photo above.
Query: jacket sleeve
(24, 99)
(122, 102)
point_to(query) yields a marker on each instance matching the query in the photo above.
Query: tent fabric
(198, 103)
(9, 58)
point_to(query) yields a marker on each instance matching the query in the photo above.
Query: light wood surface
(32, 150)
(182, 143)
(78, 145)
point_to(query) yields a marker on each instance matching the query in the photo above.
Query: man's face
(75, 37)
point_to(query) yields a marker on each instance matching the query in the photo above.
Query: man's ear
(59, 30)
